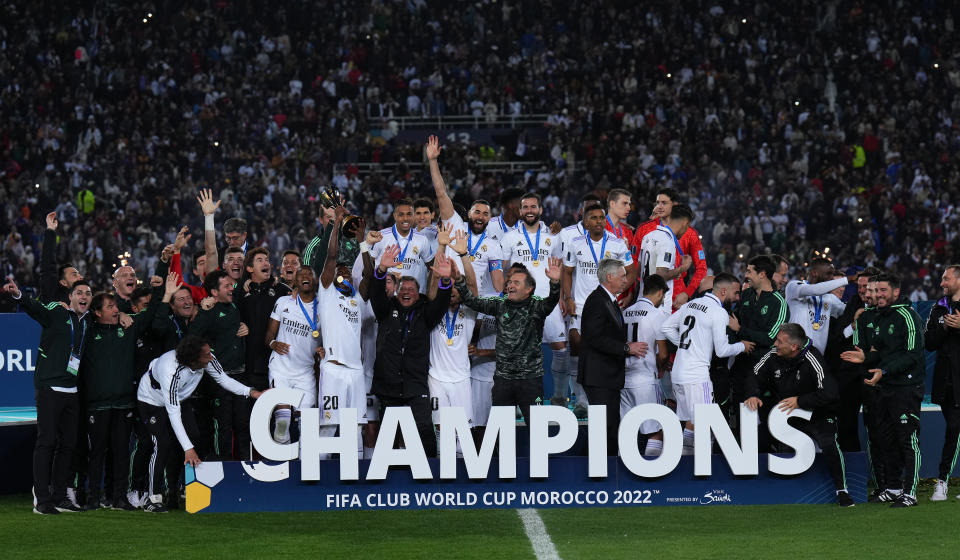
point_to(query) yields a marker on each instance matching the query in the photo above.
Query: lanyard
(674, 236)
(450, 322)
(618, 231)
(313, 323)
(396, 236)
(176, 326)
(73, 342)
(534, 251)
(603, 247)
(476, 247)
(818, 309)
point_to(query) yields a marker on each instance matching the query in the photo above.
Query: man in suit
(604, 347)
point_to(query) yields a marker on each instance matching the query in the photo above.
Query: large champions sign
(324, 473)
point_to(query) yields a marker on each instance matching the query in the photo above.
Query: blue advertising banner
(18, 358)
(231, 487)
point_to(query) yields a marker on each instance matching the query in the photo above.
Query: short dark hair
(290, 252)
(78, 283)
(211, 281)
(588, 200)
(870, 271)
(778, 260)
(62, 270)
(424, 203)
(481, 201)
(509, 195)
(100, 299)
(820, 261)
(668, 192)
(531, 194)
(794, 332)
(189, 350)
(653, 284)
(592, 207)
(235, 225)
(252, 253)
(140, 292)
(614, 194)
(405, 201)
(681, 212)
(409, 279)
(955, 268)
(518, 268)
(891, 279)
(232, 250)
(724, 279)
(764, 264)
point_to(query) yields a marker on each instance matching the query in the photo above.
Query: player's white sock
(281, 425)
(687, 442)
(367, 452)
(561, 373)
(654, 448)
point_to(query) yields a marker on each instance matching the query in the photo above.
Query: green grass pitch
(803, 531)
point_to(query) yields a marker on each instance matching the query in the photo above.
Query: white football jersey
(497, 228)
(340, 318)
(804, 301)
(485, 255)
(658, 249)
(568, 234)
(297, 332)
(516, 249)
(698, 329)
(449, 361)
(643, 321)
(484, 367)
(430, 232)
(416, 251)
(166, 383)
(584, 261)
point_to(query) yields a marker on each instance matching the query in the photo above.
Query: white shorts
(305, 383)
(689, 395)
(631, 397)
(482, 393)
(341, 387)
(573, 324)
(554, 329)
(445, 393)
(373, 403)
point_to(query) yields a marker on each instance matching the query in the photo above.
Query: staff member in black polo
(604, 348)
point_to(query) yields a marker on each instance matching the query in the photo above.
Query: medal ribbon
(476, 247)
(312, 323)
(450, 322)
(535, 251)
(396, 236)
(603, 247)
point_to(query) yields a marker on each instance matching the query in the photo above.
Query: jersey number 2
(690, 322)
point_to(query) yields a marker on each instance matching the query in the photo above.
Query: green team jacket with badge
(55, 342)
(863, 334)
(107, 371)
(315, 253)
(760, 317)
(219, 328)
(519, 329)
(897, 342)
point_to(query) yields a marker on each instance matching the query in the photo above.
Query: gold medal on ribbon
(339, 279)
(316, 334)
(472, 258)
(536, 263)
(449, 342)
(816, 326)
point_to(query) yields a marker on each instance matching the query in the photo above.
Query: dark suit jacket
(602, 340)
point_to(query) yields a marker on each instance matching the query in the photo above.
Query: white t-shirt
(643, 321)
(484, 367)
(416, 251)
(450, 362)
(584, 261)
(658, 249)
(485, 253)
(340, 317)
(517, 250)
(698, 329)
(297, 332)
(803, 300)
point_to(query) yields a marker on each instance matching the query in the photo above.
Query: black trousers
(159, 457)
(872, 421)
(109, 429)
(610, 398)
(900, 422)
(422, 415)
(824, 432)
(518, 392)
(231, 416)
(57, 415)
(160, 445)
(848, 415)
(951, 414)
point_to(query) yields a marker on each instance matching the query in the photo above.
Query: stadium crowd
(786, 135)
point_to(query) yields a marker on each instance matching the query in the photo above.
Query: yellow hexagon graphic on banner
(198, 497)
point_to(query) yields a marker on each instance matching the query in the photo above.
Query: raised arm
(819, 289)
(721, 345)
(459, 245)
(444, 204)
(378, 295)
(49, 279)
(333, 248)
(209, 207)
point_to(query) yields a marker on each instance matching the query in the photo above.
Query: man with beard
(895, 361)
(580, 262)
(811, 304)
(532, 245)
(415, 248)
(482, 249)
(222, 327)
(55, 281)
(661, 254)
(124, 283)
(293, 335)
(289, 265)
(943, 337)
(698, 330)
(55, 379)
(689, 244)
(260, 293)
